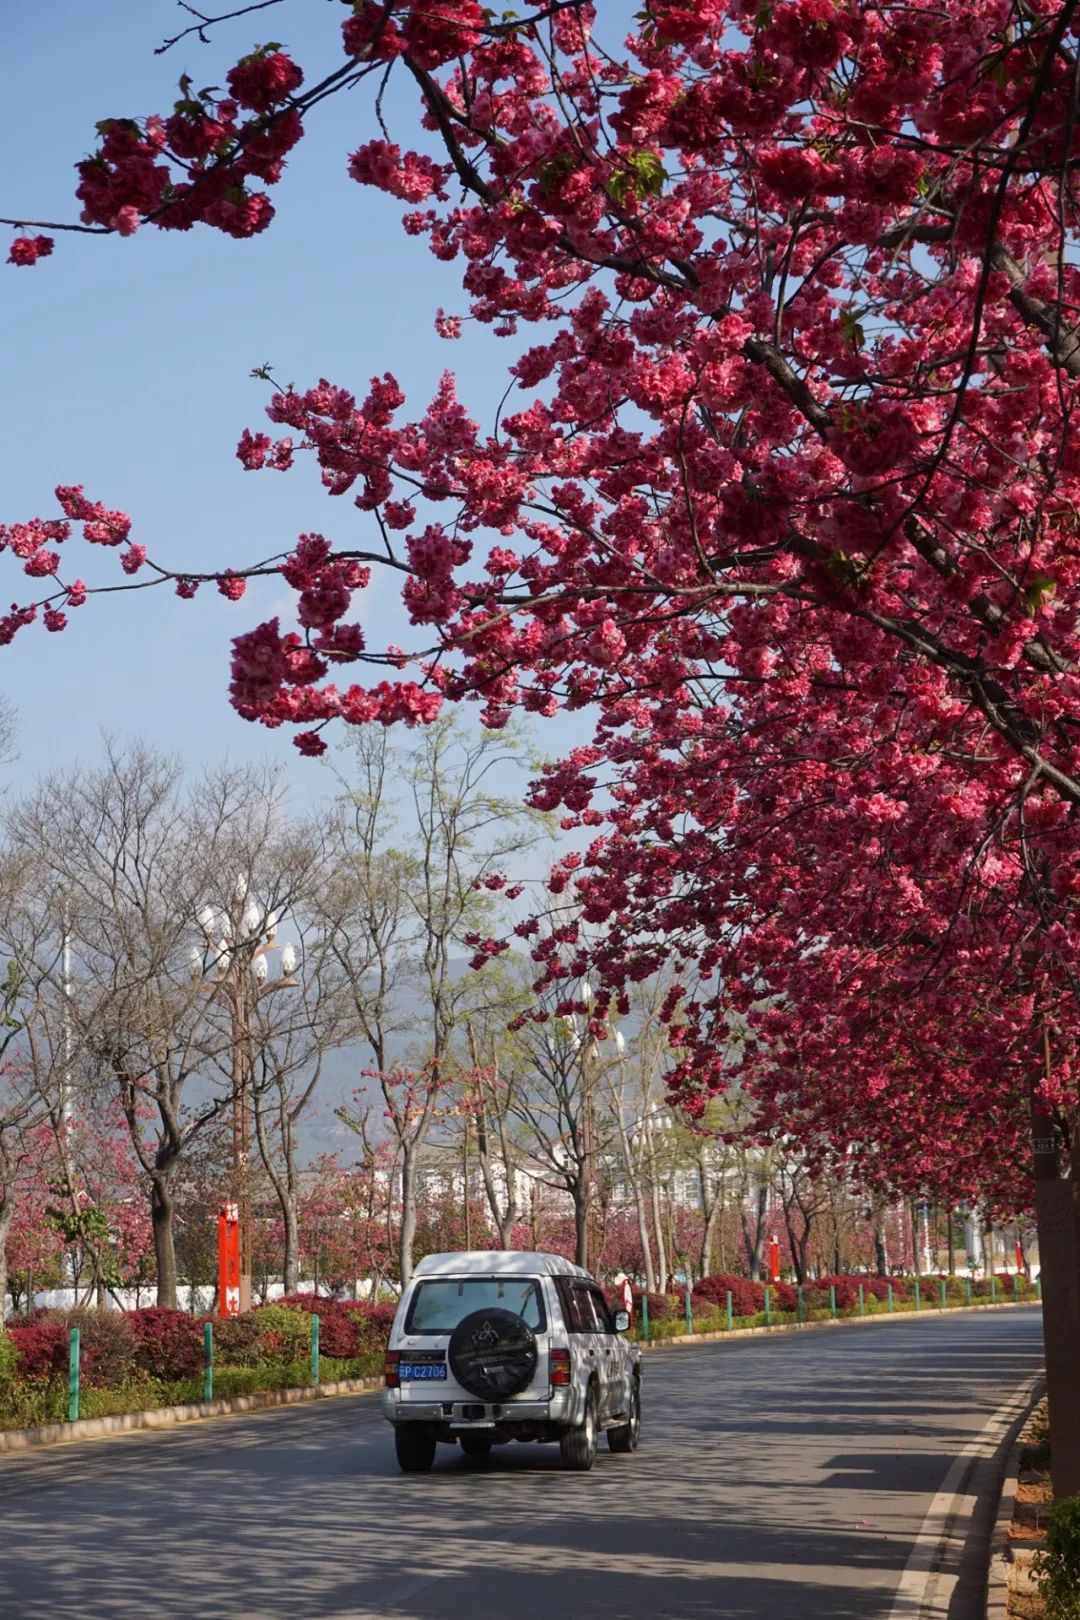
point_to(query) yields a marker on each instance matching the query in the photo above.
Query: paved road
(778, 1478)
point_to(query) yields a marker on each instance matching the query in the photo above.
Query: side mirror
(622, 1321)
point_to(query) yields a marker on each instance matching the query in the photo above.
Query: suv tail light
(559, 1366)
(390, 1369)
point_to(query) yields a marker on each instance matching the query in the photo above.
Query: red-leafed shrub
(42, 1347)
(747, 1298)
(982, 1288)
(782, 1297)
(168, 1344)
(284, 1332)
(236, 1341)
(106, 1343)
(847, 1291)
(660, 1305)
(339, 1327)
(374, 1319)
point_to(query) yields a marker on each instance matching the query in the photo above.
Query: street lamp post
(238, 945)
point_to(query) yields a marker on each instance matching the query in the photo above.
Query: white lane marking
(922, 1567)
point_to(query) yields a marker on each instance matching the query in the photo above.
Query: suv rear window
(439, 1305)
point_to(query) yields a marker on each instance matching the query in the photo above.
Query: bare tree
(123, 858)
(753, 1182)
(291, 1037)
(803, 1198)
(559, 1095)
(401, 918)
(24, 1110)
(488, 1094)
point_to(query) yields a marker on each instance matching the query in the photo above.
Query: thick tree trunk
(1057, 1206)
(881, 1254)
(804, 1248)
(7, 1213)
(161, 1216)
(711, 1211)
(1057, 1211)
(661, 1251)
(407, 1231)
(797, 1247)
(754, 1237)
(504, 1215)
(283, 1181)
(581, 1224)
(291, 1260)
(643, 1235)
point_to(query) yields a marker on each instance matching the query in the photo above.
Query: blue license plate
(422, 1369)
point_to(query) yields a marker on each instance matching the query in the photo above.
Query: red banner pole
(228, 1260)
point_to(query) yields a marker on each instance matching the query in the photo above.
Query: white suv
(488, 1347)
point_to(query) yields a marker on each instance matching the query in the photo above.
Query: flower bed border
(1003, 1549)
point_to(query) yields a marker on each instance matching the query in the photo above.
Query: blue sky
(127, 367)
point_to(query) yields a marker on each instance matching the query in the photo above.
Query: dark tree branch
(205, 22)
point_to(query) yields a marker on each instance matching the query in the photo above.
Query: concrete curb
(165, 1417)
(1002, 1549)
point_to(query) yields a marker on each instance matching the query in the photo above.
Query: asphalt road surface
(777, 1478)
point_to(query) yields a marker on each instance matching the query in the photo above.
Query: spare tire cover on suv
(492, 1353)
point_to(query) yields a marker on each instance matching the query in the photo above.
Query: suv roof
(497, 1263)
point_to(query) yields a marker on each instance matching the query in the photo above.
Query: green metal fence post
(888, 1287)
(993, 1289)
(800, 1312)
(730, 1322)
(1016, 1285)
(208, 1363)
(943, 1293)
(73, 1376)
(689, 1311)
(768, 1308)
(645, 1317)
(862, 1300)
(832, 1301)
(314, 1347)
(967, 1288)
(918, 1296)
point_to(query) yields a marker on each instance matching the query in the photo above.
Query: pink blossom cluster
(195, 165)
(29, 249)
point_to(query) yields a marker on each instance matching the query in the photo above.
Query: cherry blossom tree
(785, 490)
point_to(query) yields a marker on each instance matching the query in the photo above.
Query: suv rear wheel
(578, 1447)
(415, 1450)
(625, 1437)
